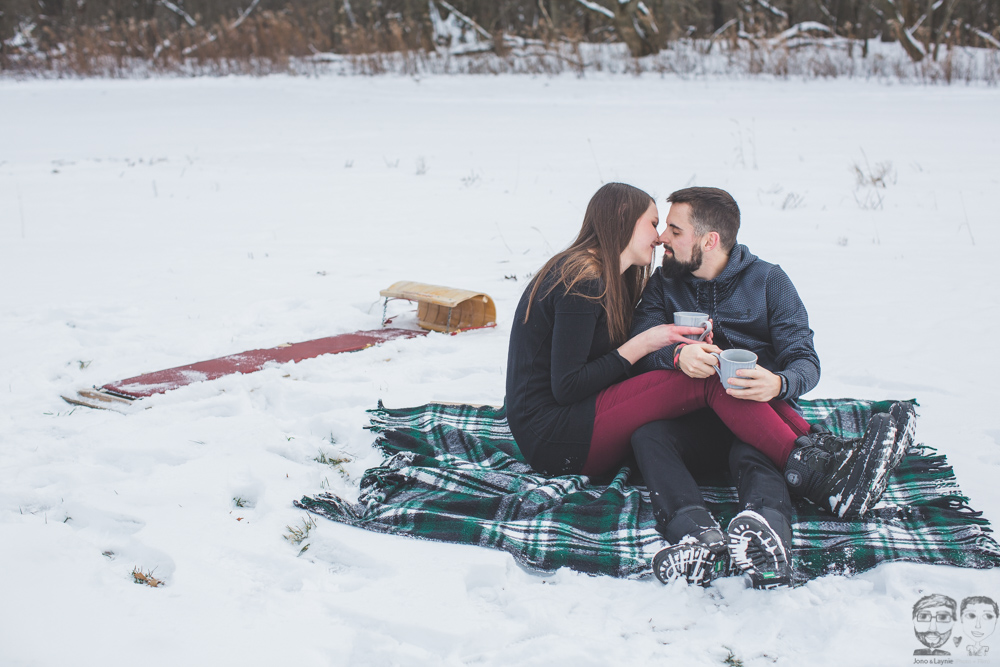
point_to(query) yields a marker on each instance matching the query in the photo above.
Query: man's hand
(761, 385)
(697, 361)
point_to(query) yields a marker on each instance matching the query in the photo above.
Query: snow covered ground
(150, 224)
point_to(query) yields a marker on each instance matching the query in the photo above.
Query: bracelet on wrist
(677, 352)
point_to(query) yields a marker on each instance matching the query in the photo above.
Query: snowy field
(151, 224)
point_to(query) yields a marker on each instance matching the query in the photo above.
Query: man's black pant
(670, 453)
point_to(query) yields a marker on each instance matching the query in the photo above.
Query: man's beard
(672, 268)
(933, 639)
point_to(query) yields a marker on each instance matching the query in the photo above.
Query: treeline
(163, 33)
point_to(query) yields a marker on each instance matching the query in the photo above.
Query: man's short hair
(936, 600)
(712, 210)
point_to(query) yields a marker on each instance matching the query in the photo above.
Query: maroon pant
(622, 408)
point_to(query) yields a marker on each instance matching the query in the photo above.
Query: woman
(570, 404)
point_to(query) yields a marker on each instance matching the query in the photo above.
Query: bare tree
(171, 30)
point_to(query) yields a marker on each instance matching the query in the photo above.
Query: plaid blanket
(453, 473)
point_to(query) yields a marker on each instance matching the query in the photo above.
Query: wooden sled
(444, 309)
(440, 309)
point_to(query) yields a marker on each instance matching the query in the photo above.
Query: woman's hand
(655, 338)
(669, 334)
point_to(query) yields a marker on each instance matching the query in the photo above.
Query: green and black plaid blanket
(452, 473)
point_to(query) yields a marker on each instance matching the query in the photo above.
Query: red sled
(443, 309)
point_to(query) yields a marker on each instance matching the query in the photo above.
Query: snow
(152, 224)
(805, 26)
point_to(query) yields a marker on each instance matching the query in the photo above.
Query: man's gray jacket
(753, 306)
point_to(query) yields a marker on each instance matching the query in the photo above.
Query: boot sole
(870, 474)
(690, 562)
(756, 550)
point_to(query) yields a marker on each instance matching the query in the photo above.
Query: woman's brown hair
(607, 229)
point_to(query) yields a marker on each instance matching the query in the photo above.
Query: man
(753, 306)
(933, 621)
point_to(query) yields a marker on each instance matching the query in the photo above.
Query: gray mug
(686, 319)
(731, 361)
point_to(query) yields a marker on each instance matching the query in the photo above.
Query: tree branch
(774, 10)
(177, 10)
(465, 19)
(600, 9)
(233, 26)
(985, 36)
(913, 48)
(244, 15)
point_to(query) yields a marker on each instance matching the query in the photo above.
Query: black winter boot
(697, 522)
(699, 553)
(827, 441)
(760, 546)
(843, 477)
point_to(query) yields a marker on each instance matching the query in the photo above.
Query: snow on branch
(719, 33)
(747, 37)
(774, 10)
(23, 38)
(459, 33)
(465, 19)
(350, 13)
(826, 12)
(640, 6)
(803, 28)
(985, 36)
(180, 12)
(644, 10)
(233, 26)
(638, 28)
(725, 26)
(244, 15)
(913, 48)
(600, 9)
(194, 47)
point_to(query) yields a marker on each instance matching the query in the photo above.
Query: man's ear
(711, 241)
